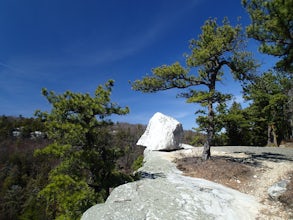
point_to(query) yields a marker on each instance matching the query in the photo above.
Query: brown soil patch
(216, 169)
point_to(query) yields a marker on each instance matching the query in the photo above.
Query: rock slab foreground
(164, 193)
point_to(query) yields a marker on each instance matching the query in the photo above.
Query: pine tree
(77, 125)
(270, 105)
(217, 47)
(271, 24)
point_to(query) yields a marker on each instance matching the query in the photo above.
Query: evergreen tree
(270, 105)
(272, 25)
(77, 125)
(217, 48)
(236, 126)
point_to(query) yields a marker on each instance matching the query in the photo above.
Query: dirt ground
(249, 172)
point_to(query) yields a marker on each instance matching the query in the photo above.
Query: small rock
(255, 176)
(276, 190)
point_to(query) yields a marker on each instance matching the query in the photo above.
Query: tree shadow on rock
(149, 175)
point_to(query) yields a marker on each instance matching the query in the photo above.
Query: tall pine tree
(217, 49)
(270, 105)
(77, 125)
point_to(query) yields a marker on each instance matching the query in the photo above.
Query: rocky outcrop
(162, 133)
(164, 193)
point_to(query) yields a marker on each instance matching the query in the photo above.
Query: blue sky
(78, 44)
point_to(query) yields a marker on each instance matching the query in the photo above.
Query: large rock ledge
(164, 193)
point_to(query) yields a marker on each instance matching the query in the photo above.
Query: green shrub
(137, 163)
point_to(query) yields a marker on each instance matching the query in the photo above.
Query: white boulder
(162, 133)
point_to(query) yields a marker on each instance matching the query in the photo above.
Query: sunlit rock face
(162, 133)
(164, 193)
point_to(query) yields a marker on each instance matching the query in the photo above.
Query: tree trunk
(269, 135)
(206, 154)
(272, 136)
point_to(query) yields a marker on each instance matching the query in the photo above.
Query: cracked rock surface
(169, 195)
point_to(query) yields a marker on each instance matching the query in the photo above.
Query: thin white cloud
(130, 46)
(26, 68)
(4, 65)
(135, 118)
(76, 55)
(179, 115)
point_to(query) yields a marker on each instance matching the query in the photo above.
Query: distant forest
(24, 174)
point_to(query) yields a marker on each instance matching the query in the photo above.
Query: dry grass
(223, 171)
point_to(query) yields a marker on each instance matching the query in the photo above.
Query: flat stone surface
(166, 194)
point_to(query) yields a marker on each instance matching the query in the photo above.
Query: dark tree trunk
(206, 154)
(269, 136)
(272, 136)
(275, 138)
